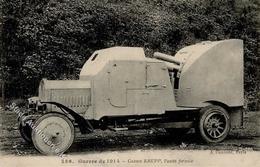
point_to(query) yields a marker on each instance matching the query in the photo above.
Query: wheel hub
(55, 133)
(215, 125)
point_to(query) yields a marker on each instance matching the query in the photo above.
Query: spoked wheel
(53, 134)
(26, 133)
(214, 124)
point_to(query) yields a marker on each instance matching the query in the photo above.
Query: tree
(53, 38)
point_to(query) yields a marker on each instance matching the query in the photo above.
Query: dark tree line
(53, 38)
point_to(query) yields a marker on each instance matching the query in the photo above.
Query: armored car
(119, 88)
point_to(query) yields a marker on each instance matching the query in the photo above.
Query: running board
(117, 129)
(188, 124)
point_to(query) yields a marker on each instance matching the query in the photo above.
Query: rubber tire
(37, 122)
(204, 113)
(26, 133)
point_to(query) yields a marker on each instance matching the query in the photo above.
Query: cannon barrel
(167, 58)
(171, 62)
(171, 66)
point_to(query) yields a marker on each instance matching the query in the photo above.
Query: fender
(84, 124)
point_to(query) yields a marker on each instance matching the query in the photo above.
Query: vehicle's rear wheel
(214, 124)
(26, 133)
(53, 134)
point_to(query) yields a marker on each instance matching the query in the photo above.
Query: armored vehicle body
(120, 88)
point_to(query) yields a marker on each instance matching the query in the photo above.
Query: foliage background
(53, 38)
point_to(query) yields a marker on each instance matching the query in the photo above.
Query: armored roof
(101, 57)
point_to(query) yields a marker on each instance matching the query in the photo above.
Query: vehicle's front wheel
(214, 124)
(53, 133)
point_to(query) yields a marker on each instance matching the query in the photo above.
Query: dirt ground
(247, 138)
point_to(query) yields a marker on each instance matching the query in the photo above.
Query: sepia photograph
(129, 83)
